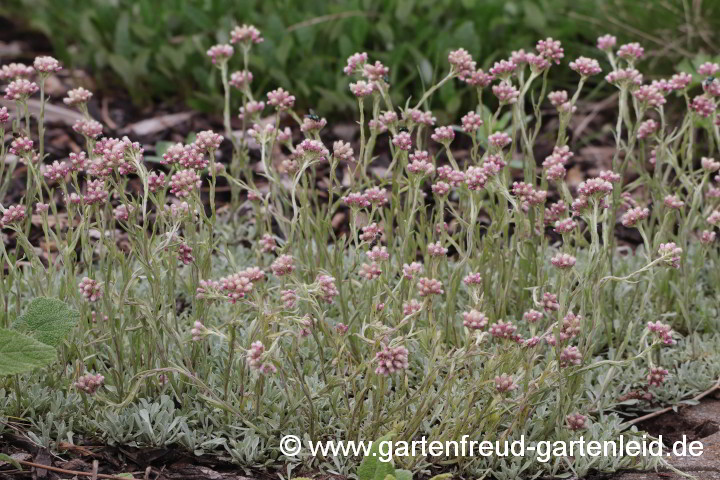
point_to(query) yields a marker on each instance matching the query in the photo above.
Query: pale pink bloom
(280, 99)
(474, 320)
(550, 49)
(378, 253)
(443, 135)
(505, 92)
(122, 212)
(550, 302)
(555, 211)
(634, 215)
(462, 62)
(475, 178)
(245, 34)
(503, 69)
(437, 250)
(343, 150)
(714, 218)
(663, 331)
(13, 71)
(20, 89)
(391, 360)
(255, 359)
(595, 187)
(703, 106)
(355, 63)
(89, 383)
(503, 330)
(680, 81)
(566, 225)
(289, 298)
(252, 108)
(708, 69)
(361, 88)
(473, 279)
(504, 383)
(283, 265)
(609, 176)
(555, 173)
(403, 141)
(429, 286)
(606, 42)
(532, 316)
(672, 252)
(220, 53)
(570, 356)
(472, 122)
(411, 307)
(91, 289)
(575, 421)
(631, 51)
(46, 65)
(647, 128)
(356, 200)
(499, 140)
(326, 283)
(184, 254)
(241, 79)
(586, 67)
(409, 271)
(419, 117)
(12, 214)
(623, 78)
(656, 377)
(558, 98)
(647, 94)
(479, 79)
(672, 201)
(440, 189)
(370, 271)
(370, 232)
(707, 237)
(375, 72)
(184, 182)
(709, 164)
(77, 96)
(88, 128)
(96, 192)
(563, 261)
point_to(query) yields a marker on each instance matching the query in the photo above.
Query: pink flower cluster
(255, 355)
(391, 359)
(89, 383)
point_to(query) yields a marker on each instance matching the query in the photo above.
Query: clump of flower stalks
(479, 295)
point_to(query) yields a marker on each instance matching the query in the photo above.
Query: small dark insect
(708, 81)
(402, 129)
(386, 79)
(312, 116)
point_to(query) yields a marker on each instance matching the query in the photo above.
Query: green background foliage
(156, 49)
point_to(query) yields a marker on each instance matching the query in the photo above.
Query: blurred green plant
(156, 49)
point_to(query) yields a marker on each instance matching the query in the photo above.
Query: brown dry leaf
(77, 449)
(53, 113)
(157, 124)
(338, 219)
(574, 176)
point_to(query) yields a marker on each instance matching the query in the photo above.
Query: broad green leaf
(371, 468)
(20, 353)
(403, 475)
(10, 460)
(442, 476)
(47, 320)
